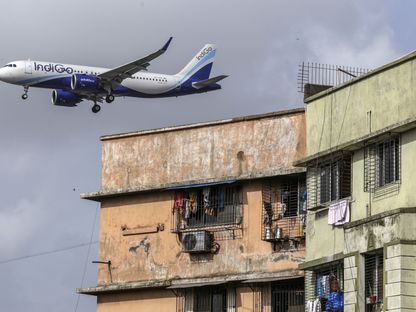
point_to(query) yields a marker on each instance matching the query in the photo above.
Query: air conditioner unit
(194, 242)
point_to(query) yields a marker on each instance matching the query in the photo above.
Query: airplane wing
(118, 74)
(207, 82)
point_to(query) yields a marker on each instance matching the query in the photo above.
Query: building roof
(394, 63)
(203, 124)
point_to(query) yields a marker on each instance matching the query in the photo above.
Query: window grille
(209, 299)
(373, 281)
(284, 208)
(288, 296)
(318, 283)
(206, 207)
(329, 181)
(382, 164)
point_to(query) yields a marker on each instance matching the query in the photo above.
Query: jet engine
(64, 98)
(84, 82)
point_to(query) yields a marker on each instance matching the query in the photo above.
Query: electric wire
(88, 254)
(43, 253)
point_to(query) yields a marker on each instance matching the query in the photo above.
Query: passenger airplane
(74, 83)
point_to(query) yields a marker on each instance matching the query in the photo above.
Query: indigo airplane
(74, 83)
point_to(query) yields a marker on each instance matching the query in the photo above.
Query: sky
(49, 155)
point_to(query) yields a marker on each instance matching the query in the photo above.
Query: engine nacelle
(84, 82)
(64, 98)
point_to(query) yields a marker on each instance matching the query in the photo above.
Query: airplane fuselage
(58, 76)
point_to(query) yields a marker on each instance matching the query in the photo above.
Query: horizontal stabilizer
(208, 82)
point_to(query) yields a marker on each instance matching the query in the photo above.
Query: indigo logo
(59, 68)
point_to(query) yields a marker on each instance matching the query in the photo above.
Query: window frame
(375, 258)
(388, 162)
(224, 208)
(338, 179)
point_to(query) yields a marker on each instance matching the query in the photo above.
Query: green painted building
(361, 191)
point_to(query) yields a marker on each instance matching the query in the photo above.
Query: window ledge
(211, 228)
(325, 206)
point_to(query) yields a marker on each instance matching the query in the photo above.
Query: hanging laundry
(187, 209)
(338, 213)
(205, 192)
(178, 200)
(193, 202)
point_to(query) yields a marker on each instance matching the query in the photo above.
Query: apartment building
(203, 217)
(361, 199)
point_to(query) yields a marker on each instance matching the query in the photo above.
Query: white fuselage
(47, 75)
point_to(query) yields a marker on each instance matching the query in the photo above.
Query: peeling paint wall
(158, 256)
(226, 149)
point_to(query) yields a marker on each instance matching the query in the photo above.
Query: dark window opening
(209, 299)
(388, 158)
(288, 296)
(373, 281)
(335, 180)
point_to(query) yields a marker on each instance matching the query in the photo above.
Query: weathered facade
(204, 217)
(361, 146)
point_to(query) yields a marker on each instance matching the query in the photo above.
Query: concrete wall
(146, 301)
(400, 267)
(344, 115)
(158, 255)
(241, 148)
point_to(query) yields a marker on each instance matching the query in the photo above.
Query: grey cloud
(48, 151)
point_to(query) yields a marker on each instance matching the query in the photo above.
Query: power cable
(88, 253)
(46, 252)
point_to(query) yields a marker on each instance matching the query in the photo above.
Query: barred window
(209, 299)
(284, 208)
(326, 285)
(335, 179)
(373, 281)
(388, 161)
(208, 206)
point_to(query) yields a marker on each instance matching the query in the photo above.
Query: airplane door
(28, 67)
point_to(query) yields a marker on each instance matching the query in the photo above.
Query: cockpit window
(10, 65)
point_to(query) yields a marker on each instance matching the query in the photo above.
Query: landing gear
(96, 108)
(24, 95)
(109, 98)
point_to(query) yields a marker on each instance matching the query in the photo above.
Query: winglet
(165, 47)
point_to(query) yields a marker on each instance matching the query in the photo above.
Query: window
(208, 206)
(328, 286)
(284, 208)
(288, 296)
(335, 179)
(209, 299)
(373, 281)
(388, 161)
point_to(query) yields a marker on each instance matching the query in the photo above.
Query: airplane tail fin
(199, 68)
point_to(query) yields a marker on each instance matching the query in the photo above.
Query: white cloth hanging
(338, 212)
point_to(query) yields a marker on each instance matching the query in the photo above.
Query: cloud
(19, 224)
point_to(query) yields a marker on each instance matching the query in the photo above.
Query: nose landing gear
(24, 95)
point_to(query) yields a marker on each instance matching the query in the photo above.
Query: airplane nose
(2, 74)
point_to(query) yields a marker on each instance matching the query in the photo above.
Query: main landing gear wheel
(109, 98)
(96, 108)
